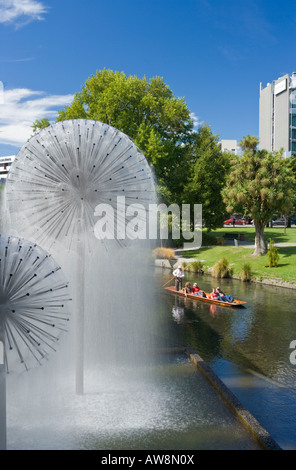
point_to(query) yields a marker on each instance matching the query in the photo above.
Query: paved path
(251, 245)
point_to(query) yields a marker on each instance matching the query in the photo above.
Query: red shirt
(195, 289)
(213, 295)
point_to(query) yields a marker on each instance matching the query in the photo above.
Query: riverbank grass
(239, 256)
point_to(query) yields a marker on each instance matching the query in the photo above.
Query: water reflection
(178, 310)
(213, 310)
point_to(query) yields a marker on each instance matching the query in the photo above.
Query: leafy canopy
(208, 171)
(147, 111)
(260, 184)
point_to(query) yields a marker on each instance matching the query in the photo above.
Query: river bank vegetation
(239, 257)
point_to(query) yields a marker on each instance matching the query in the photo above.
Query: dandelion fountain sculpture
(58, 180)
(33, 309)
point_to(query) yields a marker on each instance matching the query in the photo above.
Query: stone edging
(260, 433)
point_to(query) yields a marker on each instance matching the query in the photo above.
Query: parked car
(236, 222)
(281, 221)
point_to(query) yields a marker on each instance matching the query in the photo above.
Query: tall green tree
(249, 142)
(207, 175)
(261, 183)
(147, 111)
(40, 124)
(292, 165)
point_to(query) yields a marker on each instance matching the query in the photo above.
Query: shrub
(220, 241)
(208, 240)
(222, 269)
(197, 267)
(272, 254)
(246, 274)
(164, 253)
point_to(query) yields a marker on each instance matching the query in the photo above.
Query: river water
(248, 348)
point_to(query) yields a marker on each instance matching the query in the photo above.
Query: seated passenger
(201, 293)
(223, 296)
(195, 289)
(187, 288)
(213, 294)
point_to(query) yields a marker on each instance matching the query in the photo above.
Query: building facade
(5, 163)
(229, 145)
(277, 115)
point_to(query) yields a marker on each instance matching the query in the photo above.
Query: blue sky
(214, 53)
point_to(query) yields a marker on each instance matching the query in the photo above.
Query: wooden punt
(235, 303)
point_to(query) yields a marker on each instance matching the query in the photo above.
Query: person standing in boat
(179, 274)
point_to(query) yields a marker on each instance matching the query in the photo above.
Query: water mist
(57, 181)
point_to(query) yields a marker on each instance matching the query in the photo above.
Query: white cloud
(21, 107)
(196, 120)
(20, 12)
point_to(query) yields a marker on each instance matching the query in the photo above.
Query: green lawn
(237, 256)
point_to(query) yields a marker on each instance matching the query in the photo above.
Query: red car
(236, 222)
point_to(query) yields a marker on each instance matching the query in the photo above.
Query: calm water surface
(168, 406)
(248, 348)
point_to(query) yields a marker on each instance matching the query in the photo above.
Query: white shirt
(178, 273)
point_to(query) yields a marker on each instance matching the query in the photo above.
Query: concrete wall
(281, 114)
(265, 118)
(274, 115)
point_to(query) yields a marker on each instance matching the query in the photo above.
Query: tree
(147, 111)
(250, 142)
(209, 169)
(292, 165)
(260, 183)
(40, 124)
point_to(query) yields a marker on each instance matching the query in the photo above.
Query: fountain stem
(79, 314)
(2, 391)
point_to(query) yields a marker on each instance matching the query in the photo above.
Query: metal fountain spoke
(33, 302)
